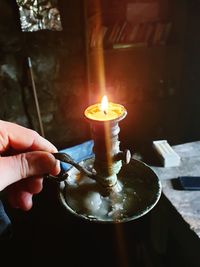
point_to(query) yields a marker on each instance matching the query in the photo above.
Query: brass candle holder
(105, 130)
(109, 187)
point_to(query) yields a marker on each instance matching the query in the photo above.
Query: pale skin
(25, 158)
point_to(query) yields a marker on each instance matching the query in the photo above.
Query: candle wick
(105, 112)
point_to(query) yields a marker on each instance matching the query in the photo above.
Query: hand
(25, 157)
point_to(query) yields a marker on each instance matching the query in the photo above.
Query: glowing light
(105, 111)
(104, 105)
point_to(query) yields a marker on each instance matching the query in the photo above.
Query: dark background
(159, 86)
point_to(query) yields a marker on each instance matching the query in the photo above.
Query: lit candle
(104, 118)
(105, 111)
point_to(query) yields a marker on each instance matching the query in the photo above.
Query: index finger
(21, 138)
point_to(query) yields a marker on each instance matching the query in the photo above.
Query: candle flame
(104, 104)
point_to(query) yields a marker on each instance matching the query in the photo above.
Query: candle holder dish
(108, 187)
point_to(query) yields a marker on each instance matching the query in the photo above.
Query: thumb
(17, 167)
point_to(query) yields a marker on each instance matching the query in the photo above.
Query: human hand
(25, 157)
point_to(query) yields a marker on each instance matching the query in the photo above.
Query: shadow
(176, 184)
(149, 156)
(52, 235)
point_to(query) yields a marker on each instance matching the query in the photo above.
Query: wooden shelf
(139, 73)
(137, 49)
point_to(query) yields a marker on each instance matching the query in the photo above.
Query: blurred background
(148, 52)
(150, 58)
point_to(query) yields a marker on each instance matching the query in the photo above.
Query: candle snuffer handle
(67, 159)
(61, 177)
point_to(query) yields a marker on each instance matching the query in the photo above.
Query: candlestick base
(136, 192)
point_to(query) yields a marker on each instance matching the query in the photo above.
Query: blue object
(5, 224)
(78, 153)
(189, 182)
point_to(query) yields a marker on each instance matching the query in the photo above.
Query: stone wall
(58, 60)
(159, 86)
